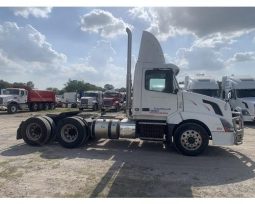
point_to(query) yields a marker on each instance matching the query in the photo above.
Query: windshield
(11, 92)
(207, 92)
(243, 93)
(90, 94)
(109, 94)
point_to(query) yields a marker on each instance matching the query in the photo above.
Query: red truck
(14, 99)
(112, 101)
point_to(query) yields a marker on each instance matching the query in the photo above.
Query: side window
(22, 93)
(159, 80)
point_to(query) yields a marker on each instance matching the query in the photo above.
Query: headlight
(228, 127)
(245, 112)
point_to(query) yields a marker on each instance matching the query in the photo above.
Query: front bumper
(86, 106)
(238, 127)
(2, 107)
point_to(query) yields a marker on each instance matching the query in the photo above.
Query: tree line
(69, 86)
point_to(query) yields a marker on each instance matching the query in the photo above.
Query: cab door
(158, 94)
(23, 96)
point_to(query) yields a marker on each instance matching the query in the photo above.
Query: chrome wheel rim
(69, 133)
(191, 140)
(34, 131)
(13, 109)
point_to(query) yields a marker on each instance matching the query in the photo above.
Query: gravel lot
(122, 168)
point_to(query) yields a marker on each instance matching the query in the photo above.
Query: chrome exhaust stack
(129, 83)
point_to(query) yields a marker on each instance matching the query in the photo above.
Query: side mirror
(229, 96)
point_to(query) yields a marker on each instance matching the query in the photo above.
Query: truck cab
(202, 84)
(242, 90)
(112, 100)
(91, 100)
(13, 99)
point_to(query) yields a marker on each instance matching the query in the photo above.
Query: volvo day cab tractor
(242, 89)
(203, 85)
(160, 111)
(15, 99)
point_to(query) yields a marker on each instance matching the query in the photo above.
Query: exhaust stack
(129, 83)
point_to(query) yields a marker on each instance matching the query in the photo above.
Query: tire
(52, 106)
(117, 109)
(12, 108)
(71, 132)
(46, 106)
(87, 129)
(34, 107)
(53, 129)
(36, 131)
(191, 139)
(81, 109)
(95, 107)
(40, 106)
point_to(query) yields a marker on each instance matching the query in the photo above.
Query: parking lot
(121, 168)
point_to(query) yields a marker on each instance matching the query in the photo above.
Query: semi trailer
(202, 84)
(242, 89)
(14, 99)
(160, 111)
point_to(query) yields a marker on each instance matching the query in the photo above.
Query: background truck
(160, 111)
(15, 99)
(203, 85)
(91, 100)
(242, 89)
(112, 101)
(70, 99)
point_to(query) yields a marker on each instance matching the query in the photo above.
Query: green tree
(78, 86)
(30, 84)
(4, 84)
(108, 87)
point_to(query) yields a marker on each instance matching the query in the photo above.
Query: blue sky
(51, 45)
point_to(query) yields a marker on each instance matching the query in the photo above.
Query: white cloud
(43, 12)
(27, 44)
(241, 57)
(167, 22)
(103, 23)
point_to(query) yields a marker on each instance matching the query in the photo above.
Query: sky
(49, 45)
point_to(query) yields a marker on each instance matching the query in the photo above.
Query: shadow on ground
(146, 169)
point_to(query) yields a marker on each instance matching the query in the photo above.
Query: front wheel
(191, 139)
(12, 108)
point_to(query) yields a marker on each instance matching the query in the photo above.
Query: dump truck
(14, 99)
(160, 111)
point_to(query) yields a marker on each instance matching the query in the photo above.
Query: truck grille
(84, 101)
(107, 103)
(1, 100)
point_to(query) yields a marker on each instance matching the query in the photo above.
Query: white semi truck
(160, 112)
(242, 89)
(202, 84)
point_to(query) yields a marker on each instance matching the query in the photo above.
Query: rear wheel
(35, 131)
(71, 132)
(12, 108)
(34, 107)
(191, 139)
(52, 106)
(53, 129)
(95, 107)
(46, 106)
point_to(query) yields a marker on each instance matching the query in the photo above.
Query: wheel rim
(191, 140)
(34, 131)
(13, 109)
(69, 133)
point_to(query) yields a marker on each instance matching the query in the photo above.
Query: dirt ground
(122, 168)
